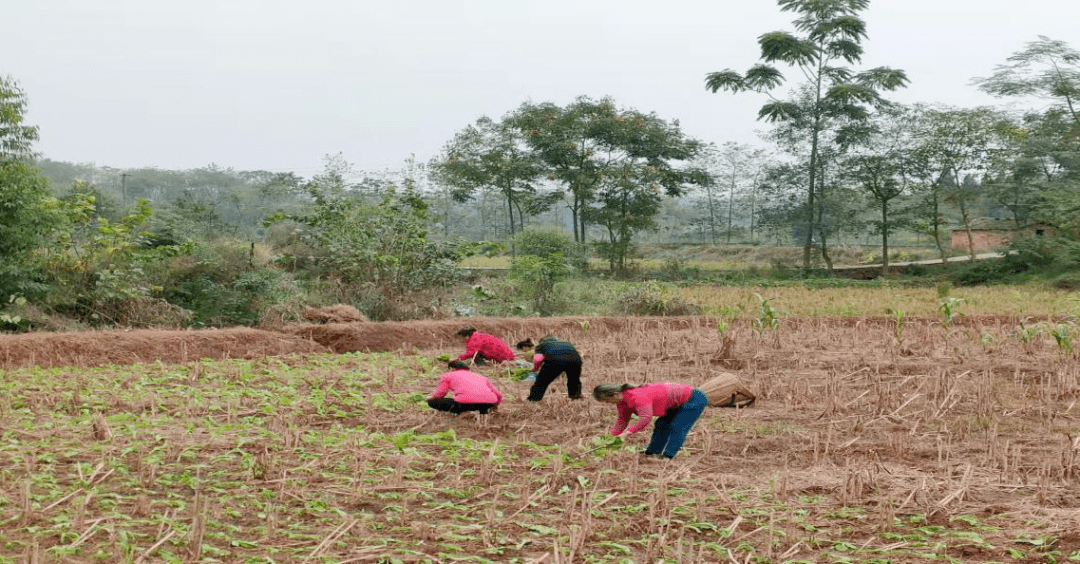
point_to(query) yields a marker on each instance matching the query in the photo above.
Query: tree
(832, 209)
(568, 141)
(493, 155)
(839, 97)
(638, 173)
(378, 254)
(736, 168)
(1046, 68)
(952, 143)
(616, 164)
(27, 210)
(878, 164)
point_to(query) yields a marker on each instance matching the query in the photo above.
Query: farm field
(874, 439)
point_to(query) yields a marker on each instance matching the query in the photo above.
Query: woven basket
(725, 390)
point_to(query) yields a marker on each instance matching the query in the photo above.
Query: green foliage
(947, 307)
(837, 99)
(542, 260)
(10, 320)
(985, 272)
(379, 254)
(103, 272)
(221, 288)
(767, 315)
(616, 163)
(493, 156)
(27, 211)
(27, 214)
(16, 138)
(1046, 68)
(654, 298)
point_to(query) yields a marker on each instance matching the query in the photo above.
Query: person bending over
(552, 357)
(677, 407)
(482, 347)
(472, 391)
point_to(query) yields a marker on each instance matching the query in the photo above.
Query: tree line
(843, 163)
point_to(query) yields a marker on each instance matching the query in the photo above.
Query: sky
(278, 85)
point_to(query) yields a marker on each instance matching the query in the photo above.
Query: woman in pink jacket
(677, 406)
(483, 347)
(472, 391)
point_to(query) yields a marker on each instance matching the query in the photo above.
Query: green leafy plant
(947, 307)
(767, 316)
(1063, 334)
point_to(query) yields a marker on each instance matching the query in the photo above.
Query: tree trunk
(884, 239)
(731, 207)
(810, 204)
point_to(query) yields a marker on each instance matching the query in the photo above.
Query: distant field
(800, 301)
(727, 257)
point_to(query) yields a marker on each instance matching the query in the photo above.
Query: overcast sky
(278, 84)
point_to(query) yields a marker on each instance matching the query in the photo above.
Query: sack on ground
(725, 390)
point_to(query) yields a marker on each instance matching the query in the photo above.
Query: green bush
(542, 261)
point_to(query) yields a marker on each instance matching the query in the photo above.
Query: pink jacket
(468, 387)
(493, 348)
(652, 400)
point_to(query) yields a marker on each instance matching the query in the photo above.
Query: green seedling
(947, 307)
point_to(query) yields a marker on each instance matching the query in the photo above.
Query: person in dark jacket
(552, 357)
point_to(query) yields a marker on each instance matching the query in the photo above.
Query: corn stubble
(861, 444)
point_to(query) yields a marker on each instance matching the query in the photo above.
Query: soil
(958, 424)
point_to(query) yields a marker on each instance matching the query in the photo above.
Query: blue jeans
(671, 429)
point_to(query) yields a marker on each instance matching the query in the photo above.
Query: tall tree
(1046, 68)
(569, 142)
(616, 163)
(952, 143)
(1039, 173)
(27, 210)
(492, 155)
(641, 155)
(735, 169)
(831, 32)
(877, 163)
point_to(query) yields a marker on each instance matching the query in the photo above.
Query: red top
(652, 400)
(468, 387)
(492, 348)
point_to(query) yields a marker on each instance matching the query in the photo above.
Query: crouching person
(676, 406)
(472, 391)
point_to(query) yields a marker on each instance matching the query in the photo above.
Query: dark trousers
(447, 404)
(671, 429)
(549, 371)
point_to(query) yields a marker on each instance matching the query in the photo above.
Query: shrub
(652, 298)
(542, 260)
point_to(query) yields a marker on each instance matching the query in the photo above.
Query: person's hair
(466, 332)
(458, 364)
(526, 344)
(607, 390)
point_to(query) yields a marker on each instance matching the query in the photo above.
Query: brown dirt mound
(441, 333)
(337, 313)
(131, 347)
